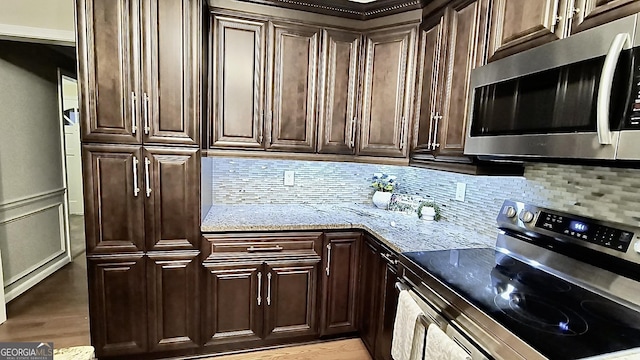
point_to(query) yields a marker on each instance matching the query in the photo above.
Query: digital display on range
(578, 226)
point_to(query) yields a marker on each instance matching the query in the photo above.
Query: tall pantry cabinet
(140, 67)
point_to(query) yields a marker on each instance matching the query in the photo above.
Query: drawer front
(243, 246)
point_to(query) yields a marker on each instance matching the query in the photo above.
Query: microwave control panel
(606, 236)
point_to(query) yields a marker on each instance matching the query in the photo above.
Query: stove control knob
(510, 211)
(526, 216)
(636, 247)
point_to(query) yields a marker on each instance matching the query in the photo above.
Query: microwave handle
(604, 89)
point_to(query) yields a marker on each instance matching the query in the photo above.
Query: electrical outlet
(289, 178)
(461, 188)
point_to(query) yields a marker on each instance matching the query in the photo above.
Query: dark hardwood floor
(54, 310)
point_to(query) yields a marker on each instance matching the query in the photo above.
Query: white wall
(32, 221)
(51, 21)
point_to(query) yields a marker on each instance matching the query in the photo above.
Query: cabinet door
(113, 201)
(339, 89)
(340, 283)
(234, 301)
(388, 305)
(108, 58)
(370, 290)
(237, 72)
(586, 14)
(117, 308)
(172, 47)
(387, 94)
(290, 302)
(519, 25)
(424, 136)
(293, 88)
(172, 193)
(463, 51)
(173, 301)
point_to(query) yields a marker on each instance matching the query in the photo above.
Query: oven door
(565, 99)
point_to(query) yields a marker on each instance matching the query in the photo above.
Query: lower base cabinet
(117, 304)
(369, 289)
(388, 296)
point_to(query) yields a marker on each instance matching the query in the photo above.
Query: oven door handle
(606, 83)
(400, 286)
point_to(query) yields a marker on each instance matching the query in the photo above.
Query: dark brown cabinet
(586, 14)
(523, 24)
(292, 87)
(340, 274)
(135, 193)
(173, 300)
(451, 45)
(139, 69)
(233, 305)
(388, 295)
(117, 304)
(237, 91)
(369, 289)
(338, 100)
(387, 92)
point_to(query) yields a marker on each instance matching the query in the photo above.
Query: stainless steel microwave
(577, 98)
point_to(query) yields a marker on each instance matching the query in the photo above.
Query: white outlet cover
(461, 189)
(289, 178)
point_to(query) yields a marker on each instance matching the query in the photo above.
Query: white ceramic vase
(381, 199)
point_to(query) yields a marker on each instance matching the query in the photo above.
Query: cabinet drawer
(244, 246)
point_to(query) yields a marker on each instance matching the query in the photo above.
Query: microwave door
(560, 100)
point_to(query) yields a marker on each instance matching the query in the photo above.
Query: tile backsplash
(600, 192)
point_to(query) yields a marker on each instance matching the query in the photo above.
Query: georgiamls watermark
(26, 351)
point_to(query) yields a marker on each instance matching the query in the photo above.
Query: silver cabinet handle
(136, 189)
(389, 259)
(273, 248)
(604, 89)
(402, 131)
(328, 259)
(429, 144)
(435, 143)
(147, 181)
(269, 288)
(134, 120)
(261, 127)
(147, 127)
(259, 287)
(352, 139)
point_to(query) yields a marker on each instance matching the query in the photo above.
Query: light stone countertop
(399, 231)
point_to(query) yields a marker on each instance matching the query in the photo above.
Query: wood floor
(54, 310)
(352, 349)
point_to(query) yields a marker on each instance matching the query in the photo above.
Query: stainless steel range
(557, 286)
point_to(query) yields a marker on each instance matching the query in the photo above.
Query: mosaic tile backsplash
(600, 192)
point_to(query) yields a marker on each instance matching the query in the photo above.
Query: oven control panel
(592, 232)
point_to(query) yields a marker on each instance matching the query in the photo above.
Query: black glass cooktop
(557, 318)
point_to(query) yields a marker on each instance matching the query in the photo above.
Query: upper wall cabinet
(338, 100)
(292, 89)
(141, 71)
(519, 25)
(387, 94)
(451, 45)
(237, 103)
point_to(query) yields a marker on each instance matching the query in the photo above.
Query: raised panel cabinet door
(117, 304)
(387, 315)
(370, 290)
(387, 92)
(519, 25)
(293, 87)
(173, 300)
(171, 102)
(464, 51)
(238, 71)
(586, 14)
(108, 58)
(290, 299)
(338, 99)
(234, 299)
(427, 85)
(113, 200)
(171, 178)
(340, 283)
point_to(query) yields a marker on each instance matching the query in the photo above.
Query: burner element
(542, 281)
(537, 313)
(612, 313)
